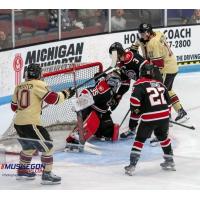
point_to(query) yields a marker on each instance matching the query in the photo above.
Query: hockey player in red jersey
(150, 102)
(96, 117)
(129, 63)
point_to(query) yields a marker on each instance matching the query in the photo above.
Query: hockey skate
(74, 147)
(168, 164)
(48, 178)
(182, 116)
(128, 134)
(134, 157)
(129, 170)
(23, 174)
(73, 144)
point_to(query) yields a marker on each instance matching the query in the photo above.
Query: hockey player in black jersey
(129, 63)
(96, 117)
(150, 102)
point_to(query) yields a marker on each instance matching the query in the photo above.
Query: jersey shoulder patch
(102, 87)
(128, 57)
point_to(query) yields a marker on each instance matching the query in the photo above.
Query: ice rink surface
(106, 171)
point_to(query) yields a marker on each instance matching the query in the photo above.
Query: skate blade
(129, 173)
(24, 178)
(50, 182)
(168, 168)
(183, 120)
(69, 150)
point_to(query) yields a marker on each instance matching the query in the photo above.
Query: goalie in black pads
(150, 102)
(96, 114)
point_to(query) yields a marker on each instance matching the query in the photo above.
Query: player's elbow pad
(159, 63)
(51, 98)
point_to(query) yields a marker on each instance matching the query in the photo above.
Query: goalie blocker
(96, 115)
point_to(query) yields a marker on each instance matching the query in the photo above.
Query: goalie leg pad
(91, 124)
(115, 132)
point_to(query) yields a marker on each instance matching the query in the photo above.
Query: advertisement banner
(183, 41)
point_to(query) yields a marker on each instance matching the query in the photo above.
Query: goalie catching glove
(68, 93)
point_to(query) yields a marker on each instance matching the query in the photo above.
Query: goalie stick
(79, 116)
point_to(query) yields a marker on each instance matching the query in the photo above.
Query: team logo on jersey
(131, 74)
(17, 66)
(101, 88)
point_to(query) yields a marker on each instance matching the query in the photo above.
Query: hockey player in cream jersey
(155, 49)
(27, 103)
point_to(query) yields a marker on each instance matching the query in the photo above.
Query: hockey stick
(26, 139)
(124, 118)
(185, 126)
(79, 116)
(112, 65)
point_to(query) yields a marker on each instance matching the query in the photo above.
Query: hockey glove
(114, 105)
(71, 92)
(68, 93)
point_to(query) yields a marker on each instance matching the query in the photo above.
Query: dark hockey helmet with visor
(145, 28)
(147, 71)
(33, 71)
(117, 47)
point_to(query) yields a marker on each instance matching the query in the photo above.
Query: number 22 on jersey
(156, 95)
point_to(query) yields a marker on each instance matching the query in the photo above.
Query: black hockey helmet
(147, 71)
(33, 71)
(114, 80)
(145, 28)
(117, 47)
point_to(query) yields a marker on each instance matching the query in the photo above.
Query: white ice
(106, 171)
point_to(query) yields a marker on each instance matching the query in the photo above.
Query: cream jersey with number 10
(28, 99)
(157, 51)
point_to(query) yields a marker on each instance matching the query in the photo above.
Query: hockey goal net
(58, 119)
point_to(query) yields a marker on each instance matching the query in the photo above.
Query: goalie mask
(33, 71)
(114, 81)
